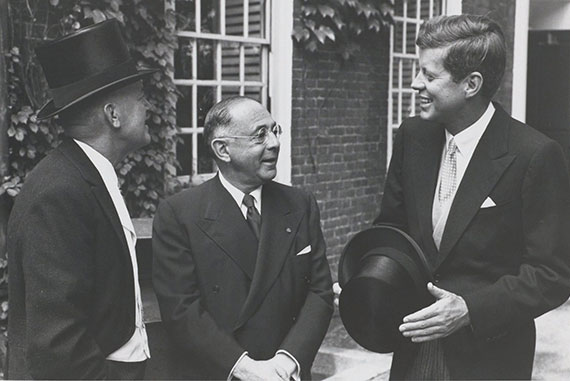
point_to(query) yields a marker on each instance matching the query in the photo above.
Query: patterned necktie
(448, 173)
(253, 216)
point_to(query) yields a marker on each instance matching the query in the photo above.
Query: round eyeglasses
(260, 137)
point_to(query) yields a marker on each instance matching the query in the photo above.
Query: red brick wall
(339, 137)
(503, 12)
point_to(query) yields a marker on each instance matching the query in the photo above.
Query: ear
(473, 84)
(221, 151)
(112, 115)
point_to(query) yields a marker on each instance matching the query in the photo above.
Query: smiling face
(250, 164)
(441, 98)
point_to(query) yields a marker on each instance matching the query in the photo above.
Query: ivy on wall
(146, 175)
(341, 24)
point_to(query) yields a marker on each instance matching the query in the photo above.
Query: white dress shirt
(238, 195)
(136, 349)
(466, 142)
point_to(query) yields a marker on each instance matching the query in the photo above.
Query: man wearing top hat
(487, 198)
(75, 304)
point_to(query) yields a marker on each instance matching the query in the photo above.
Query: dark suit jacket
(71, 281)
(509, 262)
(217, 302)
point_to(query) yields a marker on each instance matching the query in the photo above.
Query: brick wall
(339, 137)
(503, 12)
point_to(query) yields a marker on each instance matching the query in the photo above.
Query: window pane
(256, 18)
(230, 61)
(252, 54)
(184, 106)
(205, 161)
(183, 59)
(206, 99)
(407, 73)
(234, 17)
(209, 20)
(184, 154)
(395, 109)
(411, 38)
(205, 59)
(398, 36)
(185, 15)
(407, 106)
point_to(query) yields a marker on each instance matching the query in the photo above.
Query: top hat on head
(84, 63)
(383, 274)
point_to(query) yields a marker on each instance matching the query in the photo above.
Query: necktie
(253, 216)
(448, 173)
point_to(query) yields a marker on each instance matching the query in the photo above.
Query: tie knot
(248, 200)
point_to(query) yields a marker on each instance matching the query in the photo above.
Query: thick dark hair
(220, 117)
(475, 43)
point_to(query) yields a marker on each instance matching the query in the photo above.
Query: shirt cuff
(297, 373)
(235, 365)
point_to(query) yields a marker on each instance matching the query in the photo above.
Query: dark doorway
(548, 85)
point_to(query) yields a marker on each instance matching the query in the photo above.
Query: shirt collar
(467, 139)
(101, 163)
(238, 194)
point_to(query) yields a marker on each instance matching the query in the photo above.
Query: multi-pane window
(223, 51)
(402, 101)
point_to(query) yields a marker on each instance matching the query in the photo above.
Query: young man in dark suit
(75, 306)
(488, 200)
(239, 268)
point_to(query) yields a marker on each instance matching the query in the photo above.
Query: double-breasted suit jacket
(71, 292)
(509, 262)
(220, 294)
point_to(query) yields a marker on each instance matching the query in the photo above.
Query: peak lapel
(224, 223)
(426, 157)
(73, 152)
(278, 224)
(489, 162)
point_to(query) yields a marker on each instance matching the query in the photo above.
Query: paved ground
(340, 358)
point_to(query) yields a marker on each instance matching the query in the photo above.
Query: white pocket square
(488, 203)
(306, 250)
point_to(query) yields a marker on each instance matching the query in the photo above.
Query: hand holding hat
(442, 318)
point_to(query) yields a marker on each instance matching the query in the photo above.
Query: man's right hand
(259, 370)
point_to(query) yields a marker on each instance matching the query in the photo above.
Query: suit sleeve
(58, 260)
(306, 335)
(189, 324)
(543, 280)
(393, 208)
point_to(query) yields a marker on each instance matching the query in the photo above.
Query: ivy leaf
(309, 10)
(20, 133)
(312, 46)
(301, 34)
(54, 2)
(326, 10)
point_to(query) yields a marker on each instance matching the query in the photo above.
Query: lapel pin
(288, 230)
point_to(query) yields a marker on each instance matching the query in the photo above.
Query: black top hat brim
(383, 274)
(49, 109)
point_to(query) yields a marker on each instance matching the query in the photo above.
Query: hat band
(65, 94)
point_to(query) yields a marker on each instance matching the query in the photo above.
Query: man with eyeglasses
(239, 268)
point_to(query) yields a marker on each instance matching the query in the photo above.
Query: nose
(418, 83)
(272, 141)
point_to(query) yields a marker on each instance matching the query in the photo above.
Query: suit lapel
(224, 223)
(426, 157)
(489, 162)
(74, 153)
(278, 224)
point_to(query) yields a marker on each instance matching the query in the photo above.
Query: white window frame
(397, 63)
(275, 82)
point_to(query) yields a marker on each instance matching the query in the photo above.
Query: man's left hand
(448, 314)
